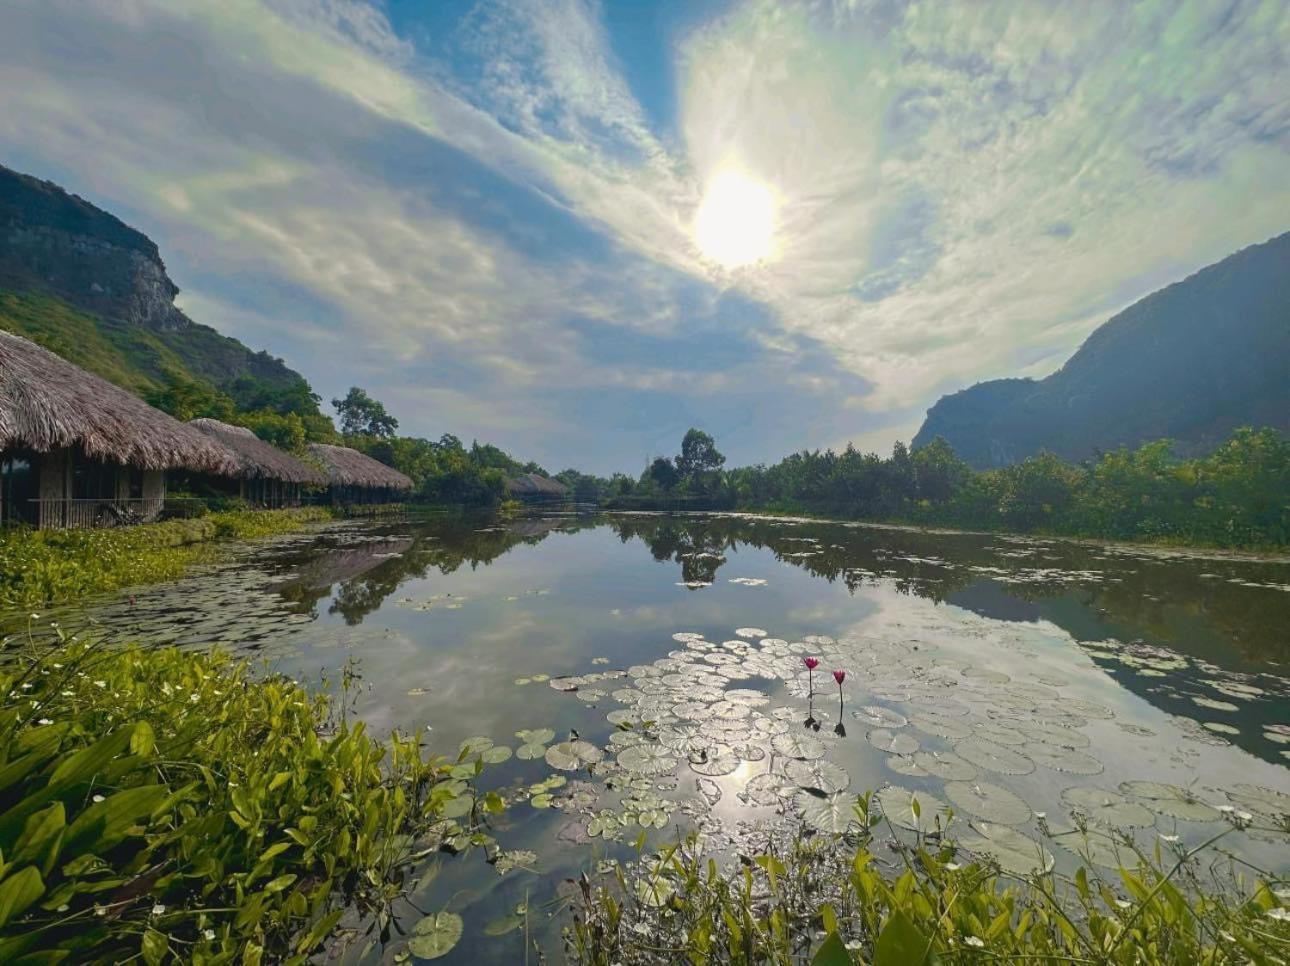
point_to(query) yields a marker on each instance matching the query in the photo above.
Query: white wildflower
(44, 721)
(208, 934)
(98, 798)
(976, 941)
(158, 909)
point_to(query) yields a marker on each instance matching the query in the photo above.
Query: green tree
(662, 473)
(361, 415)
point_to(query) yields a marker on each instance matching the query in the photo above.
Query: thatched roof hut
(535, 485)
(349, 467)
(258, 459)
(47, 403)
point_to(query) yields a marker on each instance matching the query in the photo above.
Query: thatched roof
(258, 459)
(535, 484)
(48, 403)
(349, 467)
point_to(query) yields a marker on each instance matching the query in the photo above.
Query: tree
(361, 415)
(699, 456)
(663, 473)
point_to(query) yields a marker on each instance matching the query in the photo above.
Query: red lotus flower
(839, 676)
(811, 662)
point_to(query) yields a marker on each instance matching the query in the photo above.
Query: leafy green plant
(832, 901)
(177, 807)
(39, 567)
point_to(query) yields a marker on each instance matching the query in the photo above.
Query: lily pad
(994, 757)
(916, 811)
(714, 760)
(646, 759)
(1107, 807)
(572, 755)
(1099, 847)
(946, 765)
(793, 745)
(1267, 802)
(876, 716)
(893, 742)
(535, 736)
(1064, 759)
(496, 754)
(530, 752)
(822, 775)
(436, 935)
(832, 814)
(1171, 800)
(988, 801)
(1016, 853)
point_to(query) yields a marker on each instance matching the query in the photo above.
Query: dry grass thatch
(349, 467)
(258, 459)
(47, 403)
(534, 484)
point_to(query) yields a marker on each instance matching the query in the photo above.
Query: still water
(1010, 680)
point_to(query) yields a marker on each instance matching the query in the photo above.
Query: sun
(735, 224)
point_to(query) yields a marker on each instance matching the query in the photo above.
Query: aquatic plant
(828, 895)
(811, 664)
(41, 567)
(181, 807)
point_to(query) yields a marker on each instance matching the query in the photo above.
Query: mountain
(1190, 363)
(84, 284)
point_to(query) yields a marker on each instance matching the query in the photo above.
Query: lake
(1011, 679)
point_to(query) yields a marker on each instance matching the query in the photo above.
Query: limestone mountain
(1190, 363)
(84, 284)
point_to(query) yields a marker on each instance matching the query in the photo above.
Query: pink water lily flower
(811, 664)
(839, 676)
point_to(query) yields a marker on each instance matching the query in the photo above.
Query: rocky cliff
(88, 286)
(1190, 362)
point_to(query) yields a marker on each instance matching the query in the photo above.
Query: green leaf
(832, 952)
(106, 823)
(19, 891)
(41, 838)
(435, 935)
(154, 947)
(142, 740)
(901, 944)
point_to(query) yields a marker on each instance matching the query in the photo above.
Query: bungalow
(534, 487)
(354, 477)
(265, 475)
(77, 451)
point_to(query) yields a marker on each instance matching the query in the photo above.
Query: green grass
(43, 567)
(165, 806)
(830, 901)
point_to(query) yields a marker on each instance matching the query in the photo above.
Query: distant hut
(77, 451)
(265, 475)
(356, 478)
(534, 488)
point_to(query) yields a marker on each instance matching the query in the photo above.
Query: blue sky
(484, 213)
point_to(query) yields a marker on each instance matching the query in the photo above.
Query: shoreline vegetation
(43, 567)
(1233, 498)
(165, 806)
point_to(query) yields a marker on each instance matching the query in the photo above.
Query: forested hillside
(1189, 363)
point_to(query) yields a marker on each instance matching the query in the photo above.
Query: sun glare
(735, 223)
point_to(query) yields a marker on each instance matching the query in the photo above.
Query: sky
(577, 229)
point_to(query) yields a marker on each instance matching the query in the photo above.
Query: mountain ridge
(1189, 362)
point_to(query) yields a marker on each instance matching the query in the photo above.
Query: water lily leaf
(1098, 847)
(1171, 800)
(496, 754)
(1267, 802)
(821, 775)
(876, 716)
(898, 805)
(794, 745)
(517, 859)
(832, 814)
(503, 925)
(436, 935)
(529, 752)
(988, 801)
(714, 760)
(542, 800)
(473, 746)
(767, 789)
(1107, 807)
(1016, 853)
(893, 742)
(646, 759)
(535, 736)
(946, 765)
(994, 757)
(572, 755)
(1064, 759)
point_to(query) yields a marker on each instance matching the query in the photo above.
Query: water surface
(1012, 679)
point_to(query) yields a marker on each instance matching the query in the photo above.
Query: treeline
(442, 471)
(1237, 496)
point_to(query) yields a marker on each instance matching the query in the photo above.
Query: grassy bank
(42, 567)
(175, 807)
(830, 901)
